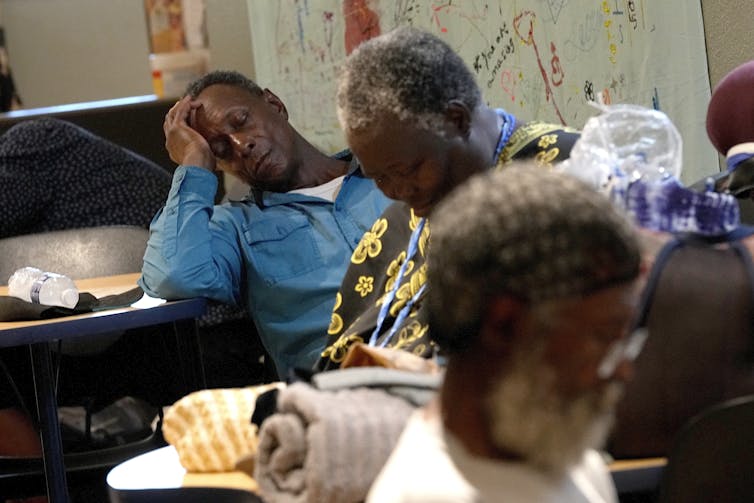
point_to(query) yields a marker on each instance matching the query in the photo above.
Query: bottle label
(36, 287)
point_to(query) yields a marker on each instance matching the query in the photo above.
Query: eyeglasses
(626, 349)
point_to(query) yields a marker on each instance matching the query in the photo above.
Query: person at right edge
(534, 286)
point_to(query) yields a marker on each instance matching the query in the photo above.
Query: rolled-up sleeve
(189, 253)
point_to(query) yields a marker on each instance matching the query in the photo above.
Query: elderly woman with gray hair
(414, 116)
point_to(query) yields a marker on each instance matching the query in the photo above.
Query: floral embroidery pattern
(408, 290)
(394, 268)
(336, 322)
(370, 244)
(365, 285)
(547, 156)
(372, 275)
(527, 133)
(338, 350)
(413, 223)
(410, 333)
(547, 140)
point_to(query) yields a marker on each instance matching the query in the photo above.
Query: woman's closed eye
(396, 174)
(407, 170)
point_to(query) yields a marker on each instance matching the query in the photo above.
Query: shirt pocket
(282, 249)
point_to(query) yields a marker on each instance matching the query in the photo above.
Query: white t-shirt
(429, 465)
(328, 190)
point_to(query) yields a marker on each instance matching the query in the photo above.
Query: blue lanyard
(403, 314)
(413, 245)
(734, 160)
(506, 130)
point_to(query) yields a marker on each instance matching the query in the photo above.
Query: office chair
(712, 456)
(77, 253)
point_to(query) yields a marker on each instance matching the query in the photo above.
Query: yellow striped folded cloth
(211, 429)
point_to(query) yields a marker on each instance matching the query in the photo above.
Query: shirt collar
(268, 198)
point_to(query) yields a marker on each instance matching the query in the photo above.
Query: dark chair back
(134, 123)
(713, 456)
(700, 349)
(77, 253)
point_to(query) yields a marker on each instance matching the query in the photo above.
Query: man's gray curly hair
(525, 231)
(408, 73)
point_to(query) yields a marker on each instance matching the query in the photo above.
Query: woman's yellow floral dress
(377, 260)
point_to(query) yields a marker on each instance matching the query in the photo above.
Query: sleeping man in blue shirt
(283, 250)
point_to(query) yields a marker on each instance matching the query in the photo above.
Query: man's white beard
(528, 418)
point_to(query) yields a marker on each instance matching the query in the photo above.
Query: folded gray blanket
(327, 446)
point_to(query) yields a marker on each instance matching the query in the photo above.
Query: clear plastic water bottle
(40, 287)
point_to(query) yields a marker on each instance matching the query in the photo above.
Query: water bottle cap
(70, 298)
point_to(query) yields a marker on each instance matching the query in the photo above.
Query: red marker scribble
(508, 83)
(362, 23)
(557, 70)
(464, 12)
(327, 20)
(519, 22)
(436, 15)
(605, 98)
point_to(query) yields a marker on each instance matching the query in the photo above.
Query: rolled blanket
(212, 429)
(327, 446)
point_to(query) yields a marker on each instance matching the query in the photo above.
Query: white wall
(65, 51)
(729, 34)
(70, 51)
(229, 36)
(730, 42)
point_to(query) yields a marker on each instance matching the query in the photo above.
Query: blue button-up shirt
(285, 261)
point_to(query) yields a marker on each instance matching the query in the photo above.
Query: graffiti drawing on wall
(540, 59)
